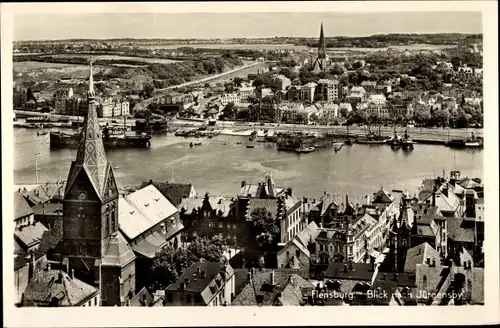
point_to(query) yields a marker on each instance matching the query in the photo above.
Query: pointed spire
(321, 44)
(91, 92)
(91, 155)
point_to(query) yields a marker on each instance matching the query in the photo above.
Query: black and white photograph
(253, 158)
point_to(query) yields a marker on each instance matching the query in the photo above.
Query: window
(221, 225)
(95, 301)
(297, 253)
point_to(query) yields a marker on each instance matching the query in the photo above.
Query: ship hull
(60, 140)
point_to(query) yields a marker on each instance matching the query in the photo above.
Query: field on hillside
(117, 57)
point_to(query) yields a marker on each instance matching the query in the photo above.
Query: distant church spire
(91, 156)
(320, 62)
(321, 44)
(91, 92)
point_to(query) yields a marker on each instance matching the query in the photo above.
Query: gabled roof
(21, 206)
(132, 222)
(152, 205)
(261, 285)
(469, 183)
(200, 285)
(382, 196)
(30, 235)
(117, 251)
(458, 233)
(48, 284)
(419, 255)
(142, 298)
(48, 209)
(172, 191)
(50, 239)
(362, 271)
(150, 245)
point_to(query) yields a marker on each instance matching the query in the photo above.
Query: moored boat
(304, 150)
(59, 139)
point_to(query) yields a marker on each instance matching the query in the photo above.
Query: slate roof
(132, 222)
(400, 278)
(48, 209)
(50, 239)
(117, 251)
(418, 255)
(362, 271)
(261, 285)
(457, 233)
(382, 196)
(30, 235)
(150, 245)
(152, 204)
(200, 285)
(172, 191)
(469, 183)
(142, 210)
(21, 206)
(47, 284)
(291, 203)
(142, 298)
(270, 204)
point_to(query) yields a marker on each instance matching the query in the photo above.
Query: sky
(235, 25)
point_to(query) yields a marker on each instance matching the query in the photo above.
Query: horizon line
(246, 37)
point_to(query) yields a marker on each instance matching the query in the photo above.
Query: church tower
(320, 63)
(92, 242)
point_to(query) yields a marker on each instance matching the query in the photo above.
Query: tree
(265, 228)
(318, 97)
(237, 81)
(343, 112)
(170, 263)
(440, 117)
(148, 89)
(422, 116)
(337, 70)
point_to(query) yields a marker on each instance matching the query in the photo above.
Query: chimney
(428, 261)
(434, 196)
(72, 273)
(198, 269)
(202, 274)
(150, 182)
(31, 268)
(351, 267)
(48, 266)
(272, 278)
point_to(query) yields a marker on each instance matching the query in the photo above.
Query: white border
(88, 317)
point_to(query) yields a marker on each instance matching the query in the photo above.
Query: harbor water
(220, 164)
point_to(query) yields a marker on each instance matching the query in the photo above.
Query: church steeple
(91, 156)
(321, 44)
